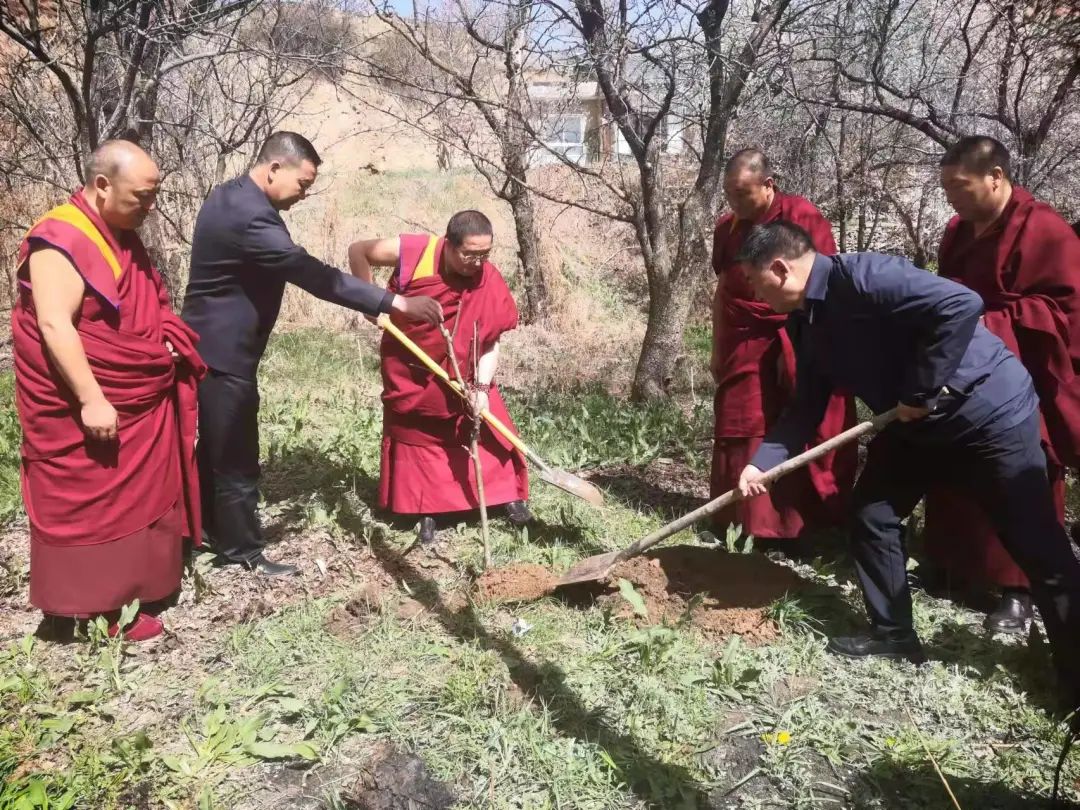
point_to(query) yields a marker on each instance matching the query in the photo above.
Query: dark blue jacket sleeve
(797, 425)
(267, 244)
(940, 314)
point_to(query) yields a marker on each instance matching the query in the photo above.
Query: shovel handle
(440, 372)
(712, 507)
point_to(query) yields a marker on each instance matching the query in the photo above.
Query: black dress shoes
(1012, 615)
(517, 512)
(260, 565)
(895, 646)
(426, 533)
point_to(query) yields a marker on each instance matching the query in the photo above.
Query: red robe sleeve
(720, 235)
(1048, 266)
(1046, 314)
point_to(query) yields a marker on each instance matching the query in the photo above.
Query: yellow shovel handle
(385, 322)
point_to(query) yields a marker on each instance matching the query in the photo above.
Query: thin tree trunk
(669, 305)
(532, 271)
(841, 197)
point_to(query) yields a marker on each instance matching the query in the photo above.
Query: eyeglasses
(473, 256)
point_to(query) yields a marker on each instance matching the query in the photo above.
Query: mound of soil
(357, 613)
(721, 594)
(396, 780)
(515, 583)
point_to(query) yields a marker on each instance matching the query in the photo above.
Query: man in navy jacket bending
(897, 336)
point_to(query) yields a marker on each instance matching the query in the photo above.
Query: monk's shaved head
(977, 178)
(748, 160)
(122, 183)
(113, 157)
(978, 154)
(748, 184)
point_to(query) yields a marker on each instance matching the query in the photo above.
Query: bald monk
(426, 470)
(106, 380)
(1024, 260)
(753, 365)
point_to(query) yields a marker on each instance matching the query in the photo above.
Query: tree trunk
(532, 271)
(670, 283)
(515, 146)
(669, 305)
(841, 197)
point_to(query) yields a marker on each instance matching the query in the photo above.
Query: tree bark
(529, 254)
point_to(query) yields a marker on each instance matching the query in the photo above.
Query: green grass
(10, 442)
(698, 340)
(582, 711)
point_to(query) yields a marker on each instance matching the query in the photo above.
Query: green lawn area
(378, 669)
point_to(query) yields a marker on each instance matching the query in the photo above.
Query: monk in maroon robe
(753, 365)
(106, 377)
(1024, 260)
(426, 467)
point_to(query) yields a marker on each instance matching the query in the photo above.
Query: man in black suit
(241, 259)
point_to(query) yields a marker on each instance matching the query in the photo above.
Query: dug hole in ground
(720, 594)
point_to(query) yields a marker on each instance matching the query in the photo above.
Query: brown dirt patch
(515, 583)
(721, 594)
(395, 780)
(410, 609)
(357, 613)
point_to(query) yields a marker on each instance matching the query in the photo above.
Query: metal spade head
(572, 484)
(591, 569)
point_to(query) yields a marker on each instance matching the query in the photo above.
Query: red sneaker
(143, 628)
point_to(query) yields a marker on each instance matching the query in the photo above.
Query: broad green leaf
(128, 614)
(174, 763)
(35, 792)
(365, 724)
(634, 598)
(10, 683)
(269, 750)
(291, 705)
(61, 725)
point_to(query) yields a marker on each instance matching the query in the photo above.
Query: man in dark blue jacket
(897, 336)
(242, 256)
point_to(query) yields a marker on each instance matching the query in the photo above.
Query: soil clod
(717, 592)
(396, 780)
(515, 583)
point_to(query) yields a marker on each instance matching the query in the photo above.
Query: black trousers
(1004, 469)
(228, 457)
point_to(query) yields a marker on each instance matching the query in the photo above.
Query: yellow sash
(425, 268)
(71, 215)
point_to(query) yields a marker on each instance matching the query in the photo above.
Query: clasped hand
(478, 402)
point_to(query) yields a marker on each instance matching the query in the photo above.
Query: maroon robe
(758, 381)
(1026, 267)
(426, 468)
(106, 518)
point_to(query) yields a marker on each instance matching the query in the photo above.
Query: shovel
(552, 475)
(599, 566)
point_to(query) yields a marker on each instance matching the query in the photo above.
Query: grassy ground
(375, 674)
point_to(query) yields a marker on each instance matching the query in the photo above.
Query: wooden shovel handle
(715, 505)
(440, 372)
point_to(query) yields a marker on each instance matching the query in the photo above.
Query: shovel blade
(591, 569)
(578, 487)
